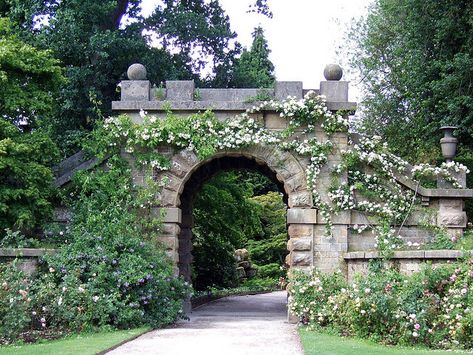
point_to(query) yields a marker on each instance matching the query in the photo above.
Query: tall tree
(416, 60)
(29, 79)
(254, 68)
(97, 40)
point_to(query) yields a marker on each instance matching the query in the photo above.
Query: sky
(303, 35)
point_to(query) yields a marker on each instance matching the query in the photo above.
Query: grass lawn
(325, 344)
(76, 344)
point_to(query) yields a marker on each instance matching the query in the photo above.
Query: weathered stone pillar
(301, 237)
(451, 216)
(169, 236)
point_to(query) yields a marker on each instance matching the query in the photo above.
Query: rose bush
(431, 307)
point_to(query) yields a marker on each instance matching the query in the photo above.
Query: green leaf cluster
(29, 78)
(25, 177)
(254, 68)
(269, 247)
(224, 218)
(229, 216)
(416, 61)
(96, 41)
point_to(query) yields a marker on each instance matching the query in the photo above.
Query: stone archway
(188, 173)
(346, 247)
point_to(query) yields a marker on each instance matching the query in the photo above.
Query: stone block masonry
(308, 245)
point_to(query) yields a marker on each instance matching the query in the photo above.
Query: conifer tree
(254, 68)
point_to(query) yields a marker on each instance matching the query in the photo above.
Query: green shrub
(25, 177)
(15, 239)
(431, 307)
(259, 283)
(273, 271)
(270, 245)
(108, 273)
(310, 294)
(224, 216)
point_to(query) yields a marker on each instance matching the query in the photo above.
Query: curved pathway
(238, 325)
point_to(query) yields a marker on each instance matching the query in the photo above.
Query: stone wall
(407, 262)
(27, 259)
(307, 245)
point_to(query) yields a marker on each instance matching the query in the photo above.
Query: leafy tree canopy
(224, 218)
(29, 79)
(28, 76)
(96, 41)
(270, 246)
(229, 216)
(25, 177)
(416, 59)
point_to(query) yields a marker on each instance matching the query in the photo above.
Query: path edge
(113, 347)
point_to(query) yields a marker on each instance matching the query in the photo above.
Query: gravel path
(239, 325)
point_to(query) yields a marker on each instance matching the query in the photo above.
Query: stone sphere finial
(136, 72)
(333, 72)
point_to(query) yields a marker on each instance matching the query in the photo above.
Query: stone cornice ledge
(410, 183)
(25, 252)
(207, 105)
(410, 254)
(448, 193)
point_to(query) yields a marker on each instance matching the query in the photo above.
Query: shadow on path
(243, 325)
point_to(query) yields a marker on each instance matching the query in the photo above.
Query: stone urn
(448, 143)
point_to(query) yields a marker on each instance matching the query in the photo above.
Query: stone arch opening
(187, 174)
(199, 176)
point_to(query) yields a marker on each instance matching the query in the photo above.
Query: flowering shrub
(431, 307)
(15, 302)
(109, 272)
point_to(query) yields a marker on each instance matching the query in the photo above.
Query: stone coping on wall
(64, 170)
(25, 252)
(410, 254)
(410, 182)
(439, 192)
(207, 105)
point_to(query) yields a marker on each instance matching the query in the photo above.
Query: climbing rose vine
(377, 193)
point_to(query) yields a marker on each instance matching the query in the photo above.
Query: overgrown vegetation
(431, 307)
(415, 58)
(269, 248)
(217, 233)
(109, 272)
(260, 228)
(30, 79)
(96, 42)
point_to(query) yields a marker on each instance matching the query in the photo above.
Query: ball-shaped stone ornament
(333, 72)
(136, 72)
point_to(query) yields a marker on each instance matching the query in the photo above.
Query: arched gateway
(352, 241)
